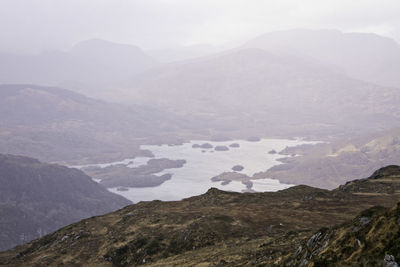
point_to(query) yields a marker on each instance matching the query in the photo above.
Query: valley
(279, 150)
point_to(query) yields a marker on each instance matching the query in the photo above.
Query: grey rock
(313, 240)
(365, 220)
(298, 251)
(307, 198)
(389, 261)
(304, 263)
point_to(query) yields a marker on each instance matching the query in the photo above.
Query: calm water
(194, 177)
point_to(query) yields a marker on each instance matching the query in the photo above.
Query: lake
(194, 177)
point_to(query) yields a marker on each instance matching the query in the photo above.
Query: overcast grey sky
(35, 25)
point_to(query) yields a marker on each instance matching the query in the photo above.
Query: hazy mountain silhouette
(280, 92)
(87, 64)
(363, 56)
(180, 53)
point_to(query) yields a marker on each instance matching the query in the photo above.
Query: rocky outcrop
(365, 241)
(389, 261)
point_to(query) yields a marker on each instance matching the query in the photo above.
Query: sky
(32, 26)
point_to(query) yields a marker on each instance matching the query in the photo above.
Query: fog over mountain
(367, 57)
(257, 88)
(107, 103)
(87, 65)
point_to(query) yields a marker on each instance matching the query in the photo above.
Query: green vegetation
(234, 229)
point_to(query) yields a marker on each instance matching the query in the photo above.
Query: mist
(36, 26)
(137, 110)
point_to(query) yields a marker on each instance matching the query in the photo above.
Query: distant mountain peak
(364, 56)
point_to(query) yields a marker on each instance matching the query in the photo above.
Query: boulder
(389, 261)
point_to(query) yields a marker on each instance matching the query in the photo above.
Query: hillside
(370, 239)
(87, 67)
(216, 228)
(342, 160)
(364, 56)
(37, 198)
(255, 90)
(54, 124)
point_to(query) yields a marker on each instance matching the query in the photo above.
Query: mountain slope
(370, 239)
(38, 198)
(225, 228)
(255, 89)
(90, 64)
(363, 56)
(54, 124)
(342, 160)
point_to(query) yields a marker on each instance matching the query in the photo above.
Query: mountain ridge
(365, 56)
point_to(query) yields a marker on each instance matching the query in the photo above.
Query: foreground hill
(38, 198)
(371, 239)
(365, 56)
(214, 229)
